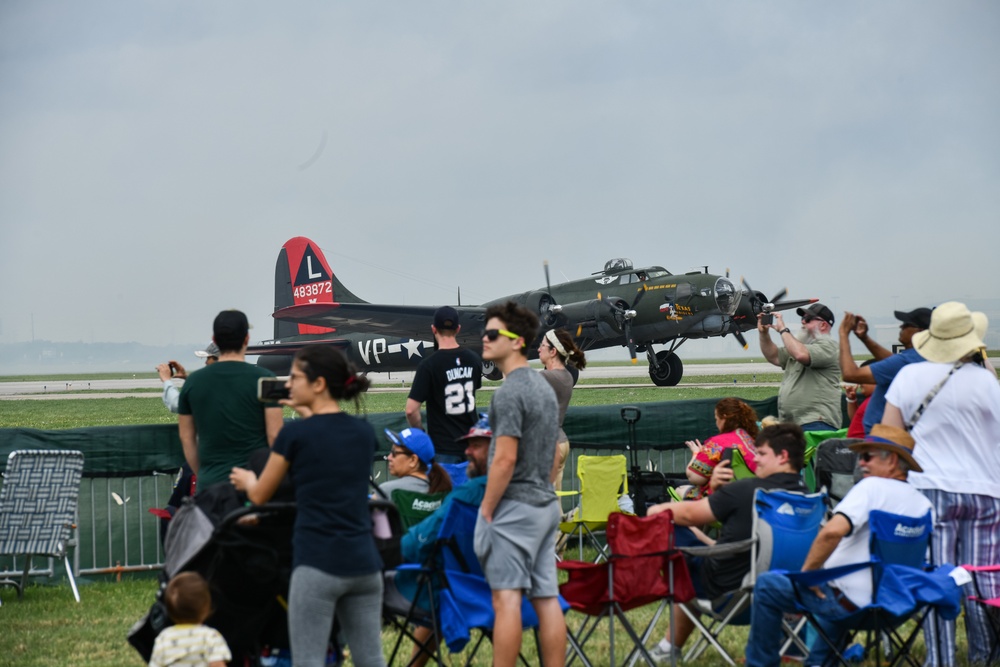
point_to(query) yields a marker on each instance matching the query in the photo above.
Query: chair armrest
(817, 577)
(981, 568)
(719, 550)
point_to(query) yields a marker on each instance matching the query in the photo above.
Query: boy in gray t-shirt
(519, 516)
(524, 407)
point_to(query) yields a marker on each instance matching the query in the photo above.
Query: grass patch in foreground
(49, 628)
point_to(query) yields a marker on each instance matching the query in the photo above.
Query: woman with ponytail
(556, 350)
(737, 424)
(336, 569)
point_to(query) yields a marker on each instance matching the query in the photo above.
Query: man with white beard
(810, 388)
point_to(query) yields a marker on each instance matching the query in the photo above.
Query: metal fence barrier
(116, 533)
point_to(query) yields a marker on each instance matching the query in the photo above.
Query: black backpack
(836, 467)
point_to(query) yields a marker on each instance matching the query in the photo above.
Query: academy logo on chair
(908, 531)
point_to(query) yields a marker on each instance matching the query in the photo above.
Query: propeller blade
(797, 303)
(638, 297)
(548, 284)
(631, 341)
(740, 338)
(780, 295)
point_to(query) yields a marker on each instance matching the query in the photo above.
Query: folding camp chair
(602, 480)
(415, 506)
(989, 607)
(38, 508)
(643, 567)
(813, 440)
(464, 601)
(740, 468)
(903, 588)
(459, 473)
(785, 524)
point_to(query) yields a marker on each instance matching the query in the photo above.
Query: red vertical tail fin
(302, 275)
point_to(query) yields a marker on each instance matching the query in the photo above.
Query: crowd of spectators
(925, 423)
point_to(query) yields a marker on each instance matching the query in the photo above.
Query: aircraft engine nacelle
(540, 303)
(713, 325)
(593, 314)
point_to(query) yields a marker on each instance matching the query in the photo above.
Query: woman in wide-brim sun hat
(958, 446)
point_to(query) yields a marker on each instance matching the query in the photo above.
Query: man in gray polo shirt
(519, 516)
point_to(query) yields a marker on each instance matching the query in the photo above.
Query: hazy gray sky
(154, 156)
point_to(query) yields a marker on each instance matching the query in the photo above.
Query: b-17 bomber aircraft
(618, 306)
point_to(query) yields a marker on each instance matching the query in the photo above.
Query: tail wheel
(668, 369)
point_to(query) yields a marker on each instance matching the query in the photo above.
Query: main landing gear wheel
(668, 369)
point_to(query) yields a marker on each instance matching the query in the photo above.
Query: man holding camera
(810, 388)
(220, 420)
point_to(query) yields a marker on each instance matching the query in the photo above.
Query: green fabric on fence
(121, 450)
(663, 425)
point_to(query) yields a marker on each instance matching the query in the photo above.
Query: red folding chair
(990, 607)
(643, 568)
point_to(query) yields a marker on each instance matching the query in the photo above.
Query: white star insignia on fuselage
(412, 348)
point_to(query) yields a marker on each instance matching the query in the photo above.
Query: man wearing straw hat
(885, 459)
(951, 406)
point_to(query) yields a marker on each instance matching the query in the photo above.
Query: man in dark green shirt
(220, 420)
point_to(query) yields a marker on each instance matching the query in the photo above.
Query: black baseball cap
(817, 310)
(918, 317)
(446, 318)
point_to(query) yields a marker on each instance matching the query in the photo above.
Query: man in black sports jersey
(447, 382)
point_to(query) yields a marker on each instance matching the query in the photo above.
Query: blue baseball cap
(414, 440)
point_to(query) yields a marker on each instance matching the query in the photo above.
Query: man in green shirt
(220, 420)
(810, 387)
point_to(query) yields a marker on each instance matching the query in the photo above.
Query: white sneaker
(660, 655)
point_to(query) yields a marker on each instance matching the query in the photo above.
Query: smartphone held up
(272, 390)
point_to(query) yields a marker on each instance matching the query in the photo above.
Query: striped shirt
(189, 646)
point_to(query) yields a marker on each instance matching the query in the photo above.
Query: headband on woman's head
(553, 339)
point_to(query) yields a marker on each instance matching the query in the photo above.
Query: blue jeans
(774, 594)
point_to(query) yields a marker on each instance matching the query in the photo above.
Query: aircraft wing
(285, 349)
(372, 318)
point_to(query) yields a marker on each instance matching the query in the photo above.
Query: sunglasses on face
(808, 318)
(397, 452)
(868, 456)
(492, 334)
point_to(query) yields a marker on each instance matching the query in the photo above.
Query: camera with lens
(768, 317)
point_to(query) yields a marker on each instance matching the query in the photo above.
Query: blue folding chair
(464, 600)
(785, 524)
(904, 587)
(459, 473)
